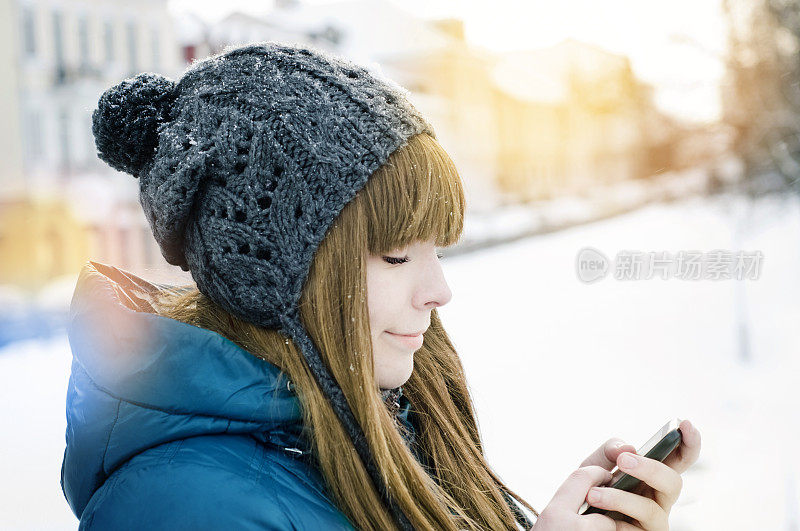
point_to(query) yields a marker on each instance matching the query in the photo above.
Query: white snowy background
(556, 366)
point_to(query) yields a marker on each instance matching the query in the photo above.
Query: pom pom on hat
(125, 122)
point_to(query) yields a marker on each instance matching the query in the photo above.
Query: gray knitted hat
(243, 165)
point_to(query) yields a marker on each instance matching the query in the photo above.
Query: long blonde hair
(417, 195)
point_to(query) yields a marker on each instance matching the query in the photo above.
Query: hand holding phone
(660, 445)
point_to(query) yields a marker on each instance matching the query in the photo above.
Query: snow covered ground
(557, 366)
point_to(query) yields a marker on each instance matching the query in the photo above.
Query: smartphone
(658, 447)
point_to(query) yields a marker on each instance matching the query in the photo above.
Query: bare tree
(762, 99)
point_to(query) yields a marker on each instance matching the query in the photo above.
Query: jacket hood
(139, 380)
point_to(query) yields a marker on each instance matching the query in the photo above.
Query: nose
(433, 291)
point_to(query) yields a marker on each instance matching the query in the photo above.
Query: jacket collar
(139, 380)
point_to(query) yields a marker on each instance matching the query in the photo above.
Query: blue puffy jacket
(171, 426)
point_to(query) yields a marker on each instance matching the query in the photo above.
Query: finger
(618, 516)
(599, 522)
(644, 510)
(687, 453)
(606, 455)
(665, 481)
(625, 526)
(572, 493)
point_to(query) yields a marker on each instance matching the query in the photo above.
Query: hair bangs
(417, 195)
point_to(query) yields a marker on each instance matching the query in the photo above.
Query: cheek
(381, 300)
(378, 314)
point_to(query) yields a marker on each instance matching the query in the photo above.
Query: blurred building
(61, 205)
(446, 79)
(519, 126)
(450, 83)
(573, 116)
(40, 241)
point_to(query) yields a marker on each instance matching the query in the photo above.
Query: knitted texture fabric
(252, 155)
(243, 165)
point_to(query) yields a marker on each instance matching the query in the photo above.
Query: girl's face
(402, 288)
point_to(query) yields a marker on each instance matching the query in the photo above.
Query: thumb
(606, 455)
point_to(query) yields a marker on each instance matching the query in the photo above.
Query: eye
(394, 260)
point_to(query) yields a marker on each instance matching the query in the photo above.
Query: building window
(154, 42)
(83, 41)
(32, 126)
(58, 43)
(63, 137)
(28, 32)
(132, 59)
(108, 40)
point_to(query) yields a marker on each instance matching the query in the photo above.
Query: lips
(412, 334)
(410, 341)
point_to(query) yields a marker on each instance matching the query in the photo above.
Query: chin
(396, 380)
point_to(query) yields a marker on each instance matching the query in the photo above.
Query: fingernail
(618, 445)
(594, 495)
(627, 461)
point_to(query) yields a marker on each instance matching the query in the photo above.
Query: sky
(676, 46)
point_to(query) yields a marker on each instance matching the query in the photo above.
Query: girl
(304, 380)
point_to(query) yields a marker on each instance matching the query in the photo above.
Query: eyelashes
(395, 260)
